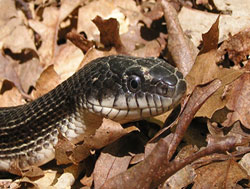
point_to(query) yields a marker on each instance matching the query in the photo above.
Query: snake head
(131, 88)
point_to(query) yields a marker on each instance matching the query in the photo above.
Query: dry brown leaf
(33, 172)
(6, 183)
(80, 41)
(186, 175)
(48, 80)
(66, 180)
(7, 71)
(129, 17)
(67, 6)
(219, 175)
(29, 72)
(47, 29)
(195, 22)
(14, 34)
(108, 166)
(75, 170)
(67, 60)
(11, 98)
(182, 178)
(108, 132)
(109, 33)
(194, 103)
(207, 63)
(237, 46)
(239, 102)
(214, 129)
(63, 149)
(114, 159)
(132, 38)
(93, 54)
(211, 38)
(79, 153)
(150, 49)
(204, 2)
(180, 47)
(239, 132)
(95, 138)
(87, 181)
(106, 9)
(245, 162)
(44, 182)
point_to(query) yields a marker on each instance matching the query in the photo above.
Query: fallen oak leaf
(67, 60)
(181, 48)
(186, 175)
(102, 133)
(211, 38)
(8, 72)
(115, 158)
(11, 97)
(223, 174)
(109, 33)
(207, 62)
(239, 102)
(14, 34)
(45, 181)
(237, 47)
(32, 172)
(80, 41)
(93, 53)
(63, 149)
(6, 183)
(48, 30)
(108, 132)
(42, 84)
(66, 180)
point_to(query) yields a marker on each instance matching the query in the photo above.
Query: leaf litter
(44, 43)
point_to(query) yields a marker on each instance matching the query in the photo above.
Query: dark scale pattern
(24, 124)
(35, 124)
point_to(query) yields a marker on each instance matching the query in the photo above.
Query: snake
(118, 87)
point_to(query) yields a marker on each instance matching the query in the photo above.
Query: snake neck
(29, 132)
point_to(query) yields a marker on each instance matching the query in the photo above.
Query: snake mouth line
(118, 114)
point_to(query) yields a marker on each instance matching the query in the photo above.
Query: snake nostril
(162, 88)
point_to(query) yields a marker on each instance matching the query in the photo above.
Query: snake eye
(134, 83)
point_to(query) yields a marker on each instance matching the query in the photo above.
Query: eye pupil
(134, 84)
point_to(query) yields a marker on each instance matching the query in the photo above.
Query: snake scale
(118, 87)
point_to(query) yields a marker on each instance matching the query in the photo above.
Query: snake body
(121, 88)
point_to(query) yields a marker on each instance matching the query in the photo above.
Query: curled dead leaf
(237, 46)
(223, 174)
(109, 33)
(239, 102)
(42, 84)
(181, 48)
